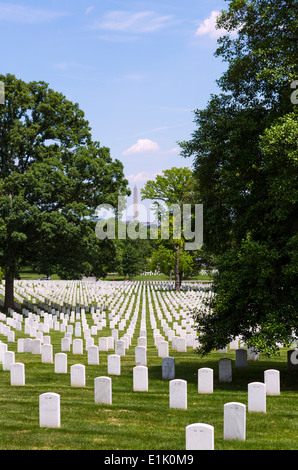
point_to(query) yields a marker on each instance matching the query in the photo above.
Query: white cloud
(23, 14)
(208, 27)
(142, 177)
(133, 23)
(142, 146)
(88, 10)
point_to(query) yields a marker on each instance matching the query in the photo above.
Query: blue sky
(138, 69)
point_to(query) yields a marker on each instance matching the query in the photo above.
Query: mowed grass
(141, 420)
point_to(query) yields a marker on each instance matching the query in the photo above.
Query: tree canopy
(174, 188)
(53, 176)
(245, 157)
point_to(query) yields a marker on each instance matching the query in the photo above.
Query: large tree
(245, 162)
(170, 191)
(53, 176)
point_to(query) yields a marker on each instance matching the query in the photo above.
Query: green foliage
(262, 57)
(53, 176)
(174, 188)
(245, 162)
(163, 260)
(134, 257)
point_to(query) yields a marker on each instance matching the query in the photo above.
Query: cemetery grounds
(134, 420)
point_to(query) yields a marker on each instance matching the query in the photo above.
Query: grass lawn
(28, 274)
(141, 420)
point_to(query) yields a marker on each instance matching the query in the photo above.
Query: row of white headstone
(199, 436)
(196, 434)
(205, 375)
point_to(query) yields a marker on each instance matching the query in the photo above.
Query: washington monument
(135, 203)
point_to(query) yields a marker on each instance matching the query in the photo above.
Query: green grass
(28, 275)
(156, 277)
(141, 420)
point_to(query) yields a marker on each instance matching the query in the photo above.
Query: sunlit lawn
(141, 420)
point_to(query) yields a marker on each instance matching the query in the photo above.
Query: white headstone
(114, 364)
(163, 349)
(9, 359)
(234, 421)
(178, 393)
(77, 346)
(60, 363)
(115, 334)
(78, 330)
(103, 390)
(142, 341)
(46, 340)
(28, 345)
(20, 345)
(36, 346)
(181, 345)
(78, 375)
(234, 344)
(49, 410)
(103, 344)
(65, 344)
(141, 355)
(93, 356)
(272, 381)
(140, 379)
(253, 354)
(205, 380)
(199, 436)
(120, 347)
(17, 374)
(47, 353)
(257, 397)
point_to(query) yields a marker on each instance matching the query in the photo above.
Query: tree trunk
(177, 277)
(180, 278)
(9, 292)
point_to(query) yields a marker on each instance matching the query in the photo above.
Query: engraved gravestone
(199, 436)
(140, 379)
(178, 394)
(49, 410)
(141, 355)
(17, 374)
(205, 380)
(272, 381)
(103, 390)
(114, 364)
(78, 375)
(257, 397)
(234, 421)
(60, 363)
(241, 358)
(225, 370)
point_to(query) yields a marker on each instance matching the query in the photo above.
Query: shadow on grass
(241, 377)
